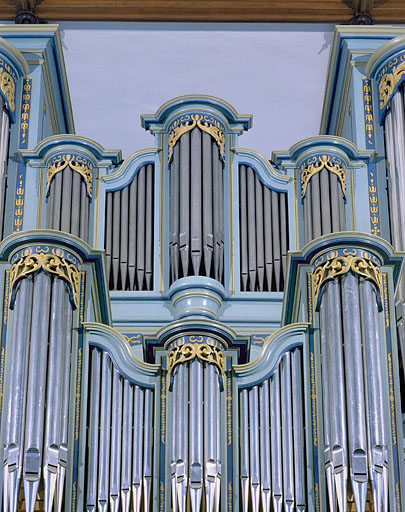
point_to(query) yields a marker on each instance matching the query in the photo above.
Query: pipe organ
(198, 328)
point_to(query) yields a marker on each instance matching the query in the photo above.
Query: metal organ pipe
(4, 137)
(129, 233)
(120, 448)
(196, 207)
(271, 451)
(263, 234)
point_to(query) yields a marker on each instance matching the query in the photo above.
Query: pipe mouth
(196, 296)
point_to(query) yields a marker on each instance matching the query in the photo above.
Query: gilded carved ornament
(53, 261)
(202, 348)
(7, 84)
(388, 79)
(316, 164)
(77, 163)
(337, 264)
(205, 122)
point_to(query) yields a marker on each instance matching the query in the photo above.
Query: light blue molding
(347, 239)
(196, 103)
(130, 367)
(119, 177)
(267, 174)
(51, 146)
(13, 64)
(276, 345)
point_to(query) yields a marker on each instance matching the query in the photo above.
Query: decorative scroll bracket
(187, 348)
(389, 79)
(8, 80)
(339, 262)
(316, 163)
(77, 163)
(52, 260)
(205, 122)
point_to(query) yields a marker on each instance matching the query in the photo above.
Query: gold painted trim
(77, 163)
(317, 164)
(205, 122)
(52, 263)
(341, 265)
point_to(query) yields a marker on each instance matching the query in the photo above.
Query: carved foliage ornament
(339, 262)
(52, 260)
(77, 163)
(187, 348)
(205, 122)
(8, 80)
(389, 78)
(316, 163)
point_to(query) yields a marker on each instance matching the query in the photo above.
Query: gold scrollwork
(340, 266)
(52, 263)
(77, 163)
(206, 123)
(315, 164)
(186, 352)
(7, 86)
(388, 83)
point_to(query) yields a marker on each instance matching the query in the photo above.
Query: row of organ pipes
(272, 442)
(35, 432)
(120, 440)
(196, 207)
(355, 441)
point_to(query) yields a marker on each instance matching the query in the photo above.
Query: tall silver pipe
(105, 433)
(84, 212)
(243, 228)
(208, 237)
(175, 213)
(92, 466)
(75, 204)
(115, 453)
(217, 197)
(210, 436)
(13, 433)
(298, 428)
(283, 233)
(126, 457)
(115, 250)
(149, 227)
(174, 440)
(195, 200)
(57, 200)
(287, 433)
(124, 237)
(108, 234)
(355, 389)
(147, 443)
(374, 387)
(196, 434)
(254, 451)
(251, 222)
(140, 230)
(335, 193)
(308, 219)
(276, 443)
(259, 233)
(268, 238)
(326, 403)
(397, 105)
(66, 206)
(315, 204)
(133, 210)
(325, 202)
(337, 406)
(138, 455)
(54, 392)
(244, 448)
(182, 438)
(217, 445)
(265, 452)
(221, 218)
(275, 217)
(35, 404)
(184, 241)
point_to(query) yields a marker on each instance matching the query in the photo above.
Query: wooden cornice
(300, 11)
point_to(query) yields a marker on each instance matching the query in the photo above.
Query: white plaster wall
(118, 71)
